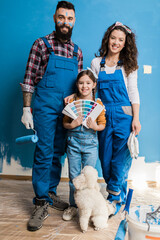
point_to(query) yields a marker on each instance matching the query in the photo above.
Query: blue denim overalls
(82, 150)
(57, 83)
(113, 151)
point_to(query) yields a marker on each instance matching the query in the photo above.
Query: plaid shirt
(39, 56)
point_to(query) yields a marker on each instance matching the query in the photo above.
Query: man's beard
(61, 35)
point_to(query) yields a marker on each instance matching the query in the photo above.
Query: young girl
(116, 67)
(82, 143)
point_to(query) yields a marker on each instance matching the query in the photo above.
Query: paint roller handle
(121, 232)
(128, 201)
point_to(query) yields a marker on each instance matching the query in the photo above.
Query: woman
(116, 67)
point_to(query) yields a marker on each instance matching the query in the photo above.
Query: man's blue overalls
(57, 83)
(113, 151)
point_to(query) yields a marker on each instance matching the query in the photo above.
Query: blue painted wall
(24, 21)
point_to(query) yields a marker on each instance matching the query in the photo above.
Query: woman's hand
(136, 126)
(68, 98)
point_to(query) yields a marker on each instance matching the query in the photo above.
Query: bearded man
(53, 64)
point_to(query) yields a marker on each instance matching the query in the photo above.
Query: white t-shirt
(130, 81)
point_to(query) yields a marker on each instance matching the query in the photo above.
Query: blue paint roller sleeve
(27, 139)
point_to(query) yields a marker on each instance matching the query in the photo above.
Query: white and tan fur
(89, 200)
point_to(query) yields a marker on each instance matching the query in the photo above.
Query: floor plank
(16, 207)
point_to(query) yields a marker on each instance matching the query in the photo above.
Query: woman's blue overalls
(57, 83)
(113, 151)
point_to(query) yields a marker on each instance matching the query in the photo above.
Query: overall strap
(50, 49)
(75, 51)
(102, 63)
(119, 65)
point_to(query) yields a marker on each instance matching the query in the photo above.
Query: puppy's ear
(111, 207)
(97, 187)
(79, 182)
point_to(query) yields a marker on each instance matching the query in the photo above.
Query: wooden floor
(16, 207)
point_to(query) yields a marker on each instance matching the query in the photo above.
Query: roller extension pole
(121, 232)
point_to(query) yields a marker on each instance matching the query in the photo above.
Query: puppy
(89, 200)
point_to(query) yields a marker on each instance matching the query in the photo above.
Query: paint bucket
(138, 229)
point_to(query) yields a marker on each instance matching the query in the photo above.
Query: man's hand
(27, 118)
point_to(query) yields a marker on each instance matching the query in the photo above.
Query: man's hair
(65, 4)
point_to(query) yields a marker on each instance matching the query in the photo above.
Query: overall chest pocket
(67, 65)
(61, 71)
(105, 92)
(110, 91)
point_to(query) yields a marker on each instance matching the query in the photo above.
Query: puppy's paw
(84, 229)
(96, 228)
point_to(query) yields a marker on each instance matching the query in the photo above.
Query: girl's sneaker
(69, 213)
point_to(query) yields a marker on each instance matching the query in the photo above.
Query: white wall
(140, 170)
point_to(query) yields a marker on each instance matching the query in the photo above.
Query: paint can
(141, 227)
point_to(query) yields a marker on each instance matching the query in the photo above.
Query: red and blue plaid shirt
(39, 56)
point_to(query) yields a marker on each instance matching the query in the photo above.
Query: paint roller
(28, 139)
(121, 232)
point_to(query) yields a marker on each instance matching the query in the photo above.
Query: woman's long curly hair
(128, 55)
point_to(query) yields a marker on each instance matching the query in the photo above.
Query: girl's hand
(68, 98)
(91, 123)
(136, 126)
(77, 122)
